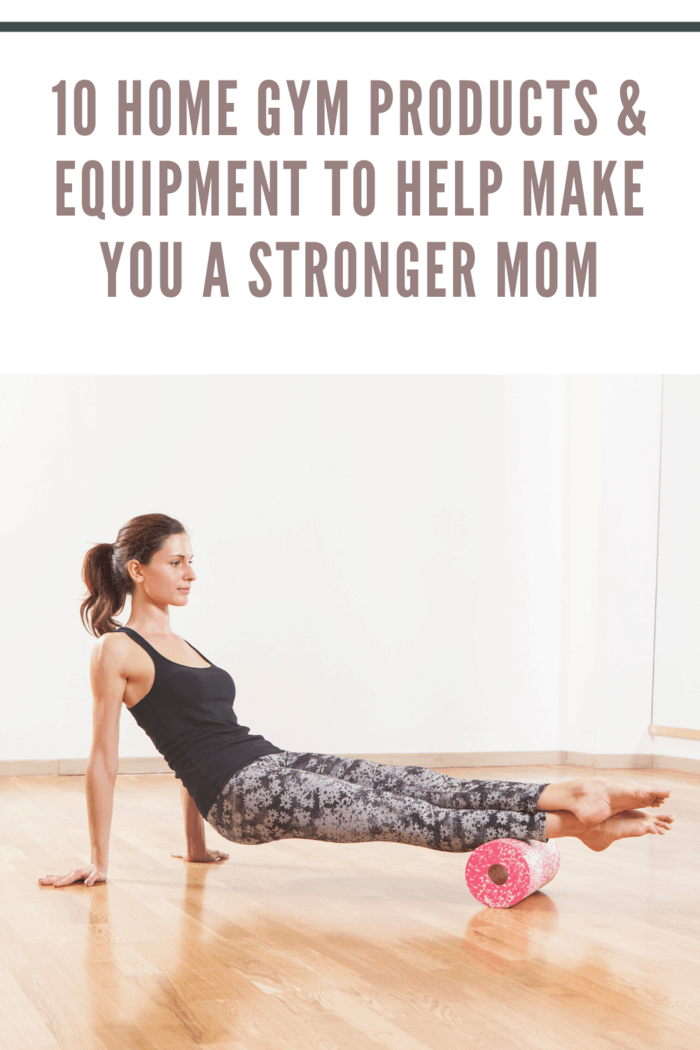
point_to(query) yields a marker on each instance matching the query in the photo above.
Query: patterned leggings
(294, 795)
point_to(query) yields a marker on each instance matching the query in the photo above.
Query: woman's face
(167, 578)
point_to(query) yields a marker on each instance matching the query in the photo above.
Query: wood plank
(22, 1025)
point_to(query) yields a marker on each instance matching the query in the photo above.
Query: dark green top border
(349, 27)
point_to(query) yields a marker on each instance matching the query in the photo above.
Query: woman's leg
(591, 799)
(418, 782)
(269, 800)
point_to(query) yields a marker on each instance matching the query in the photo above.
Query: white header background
(365, 10)
(60, 320)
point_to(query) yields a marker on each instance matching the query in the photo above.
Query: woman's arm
(194, 833)
(108, 681)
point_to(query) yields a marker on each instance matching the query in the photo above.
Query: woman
(251, 791)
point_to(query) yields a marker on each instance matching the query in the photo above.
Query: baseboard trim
(583, 758)
(467, 759)
(28, 767)
(475, 760)
(677, 765)
(71, 767)
(430, 759)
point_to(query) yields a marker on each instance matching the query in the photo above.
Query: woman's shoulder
(112, 640)
(114, 649)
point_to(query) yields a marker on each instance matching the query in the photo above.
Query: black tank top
(188, 714)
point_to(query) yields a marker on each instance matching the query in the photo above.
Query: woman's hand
(89, 876)
(209, 856)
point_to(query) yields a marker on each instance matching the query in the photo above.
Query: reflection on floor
(340, 947)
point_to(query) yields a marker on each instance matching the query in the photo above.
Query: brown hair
(104, 568)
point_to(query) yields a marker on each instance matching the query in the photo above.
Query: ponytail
(106, 594)
(105, 573)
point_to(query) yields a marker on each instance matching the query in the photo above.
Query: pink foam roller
(505, 871)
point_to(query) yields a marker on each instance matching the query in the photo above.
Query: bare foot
(630, 824)
(594, 799)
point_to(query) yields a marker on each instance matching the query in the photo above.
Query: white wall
(627, 572)
(386, 564)
(379, 559)
(609, 563)
(677, 664)
(612, 519)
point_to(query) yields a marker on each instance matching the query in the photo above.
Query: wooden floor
(314, 945)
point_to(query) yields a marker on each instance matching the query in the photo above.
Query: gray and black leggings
(295, 795)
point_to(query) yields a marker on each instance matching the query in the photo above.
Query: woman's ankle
(562, 824)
